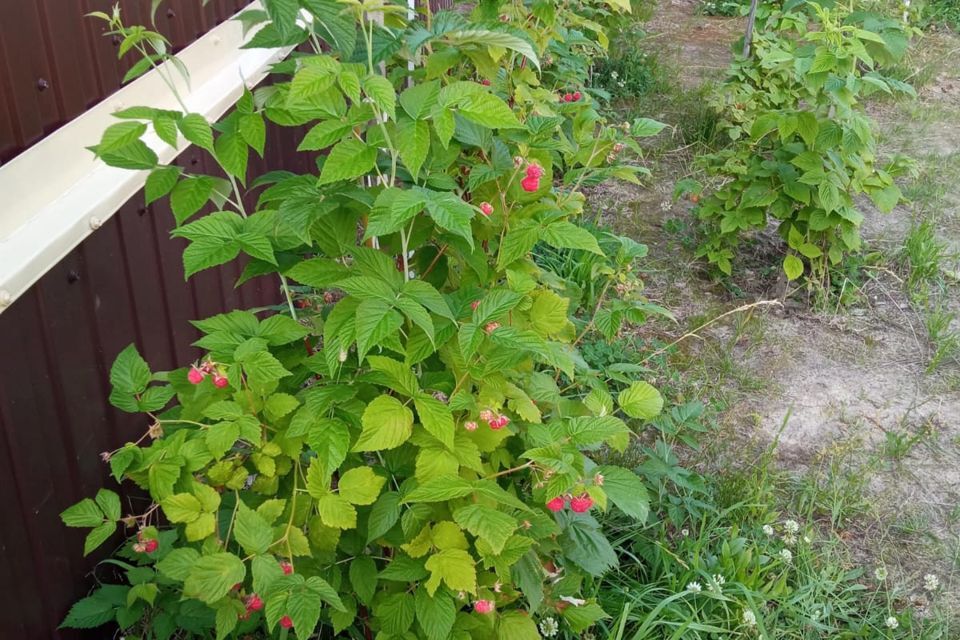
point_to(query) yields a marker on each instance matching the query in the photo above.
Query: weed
(944, 339)
(922, 256)
(726, 8)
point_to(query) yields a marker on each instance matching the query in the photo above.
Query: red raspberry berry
(581, 504)
(287, 568)
(475, 304)
(556, 504)
(195, 376)
(286, 622)
(150, 546)
(486, 208)
(576, 96)
(470, 425)
(530, 184)
(486, 415)
(534, 171)
(483, 606)
(219, 381)
(499, 423)
(568, 97)
(491, 327)
(254, 602)
(485, 82)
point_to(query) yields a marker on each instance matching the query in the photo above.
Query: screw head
(95, 223)
(6, 298)
(42, 84)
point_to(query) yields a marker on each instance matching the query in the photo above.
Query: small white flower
(767, 530)
(806, 539)
(791, 526)
(694, 587)
(614, 75)
(880, 573)
(684, 532)
(749, 618)
(549, 627)
(931, 582)
(577, 602)
(789, 539)
(891, 623)
(716, 582)
(786, 555)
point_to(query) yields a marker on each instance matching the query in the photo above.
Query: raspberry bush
(406, 447)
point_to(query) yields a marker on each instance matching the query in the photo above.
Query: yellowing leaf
(387, 424)
(360, 485)
(455, 567)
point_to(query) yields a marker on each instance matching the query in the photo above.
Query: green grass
(737, 565)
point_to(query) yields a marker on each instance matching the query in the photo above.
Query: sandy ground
(850, 380)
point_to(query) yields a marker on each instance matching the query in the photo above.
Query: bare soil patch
(851, 381)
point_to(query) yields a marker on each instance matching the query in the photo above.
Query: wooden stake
(751, 20)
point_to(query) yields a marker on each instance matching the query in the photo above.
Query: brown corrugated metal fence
(123, 284)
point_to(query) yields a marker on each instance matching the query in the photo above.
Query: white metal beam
(56, 193)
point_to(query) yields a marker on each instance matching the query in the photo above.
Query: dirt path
(844, 395)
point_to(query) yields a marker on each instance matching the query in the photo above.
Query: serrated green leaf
(196, 129)
(641, 400)
(387, 424)
(347, 160)
(382, 93)
(213, 576)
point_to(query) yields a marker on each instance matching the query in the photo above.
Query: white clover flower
(891, 623)
(749, 618)
(684, 532)
(789, 539)
(694, 587)
(931, 582)
(666, 205)
(791, 526)
(549, 627)
(614, 75)
(880, 573)
(716, 582)
(786, 555)
(768, 530)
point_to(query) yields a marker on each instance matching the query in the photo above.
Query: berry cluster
(252, 603)
(579, 504)
(208, 368)
(145, 546)
(571, 97)
(532, 182)
(495, 421)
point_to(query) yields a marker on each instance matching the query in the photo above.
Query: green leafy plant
(803, 147)
(389, 452)
(726, 8)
